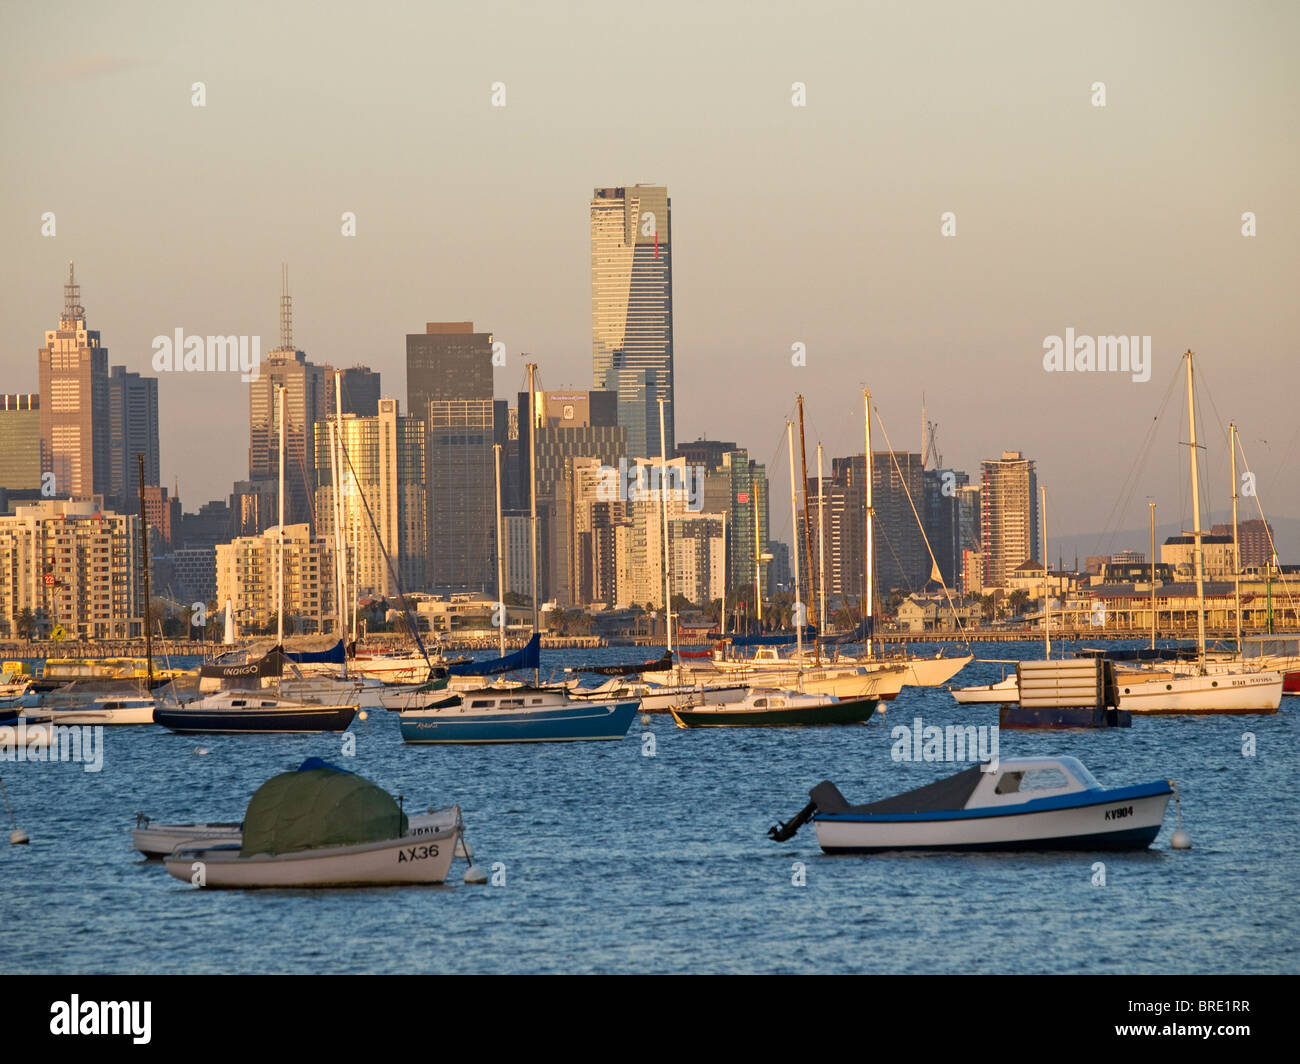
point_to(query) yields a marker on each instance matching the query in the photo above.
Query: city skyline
(1126, 237)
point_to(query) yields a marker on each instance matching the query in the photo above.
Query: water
(618, 862)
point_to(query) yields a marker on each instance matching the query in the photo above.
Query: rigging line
(1281, 466)
(406, 604)
(1286, 587)
(1106, 538)
(933, 561)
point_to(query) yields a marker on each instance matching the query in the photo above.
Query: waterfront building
(20, 442)
(246, 574)
(385, 507)
(1178, 552)
(75, 566)
(449, 387)
(632, 310)
(74, 402)
(187, 575)
(1008, 514)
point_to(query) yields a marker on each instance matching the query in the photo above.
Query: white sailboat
(1230, 689)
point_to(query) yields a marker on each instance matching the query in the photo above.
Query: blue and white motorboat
(1023, 803)
(517, 715)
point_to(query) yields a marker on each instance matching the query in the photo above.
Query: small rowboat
(321, 826)
(159, 840)
(1047, 803)
(1004, 692)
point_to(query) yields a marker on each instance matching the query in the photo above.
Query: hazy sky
(818, 225)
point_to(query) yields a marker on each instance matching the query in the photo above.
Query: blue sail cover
(334, 656)
(780, 639)
(528, 658)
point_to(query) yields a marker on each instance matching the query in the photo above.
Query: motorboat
(1023, 803)
(321, 826)
(517, 715)
(159, 840)
(660, 698)
(768, 707)
(236, 710)
(1213, 691)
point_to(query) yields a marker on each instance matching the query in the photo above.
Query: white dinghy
(321, 826)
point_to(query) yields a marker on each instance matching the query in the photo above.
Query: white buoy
(362, 715)
(645, 718)
(475, 875)
(18, 837)
(200, 750)
(1180, 840)
(880, 708)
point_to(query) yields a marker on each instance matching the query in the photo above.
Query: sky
(821, 224)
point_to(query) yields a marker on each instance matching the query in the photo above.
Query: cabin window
(480, 703)
(537, 701)
(239, 703)
(511, 702)
(760, 703)
(1034, 779)
(776, 703)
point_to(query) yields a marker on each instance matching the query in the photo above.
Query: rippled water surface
(619, 862)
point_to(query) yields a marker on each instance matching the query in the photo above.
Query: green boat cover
(318, 806)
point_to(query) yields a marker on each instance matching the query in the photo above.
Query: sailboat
(1230, 689)
(243, 707)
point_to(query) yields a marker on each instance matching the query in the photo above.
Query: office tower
(212, 524)
(449, 387)
(943, 514)
(645, 542)
(132, 431)
(385, 508)
(20, 442)
(898, 495)
(74, 402)
(360, 391)
(162, 514)
(570, 425)
(1254, 540)
(705, 453)
(778, 569)
(696, 553)
(307, 400)
(1008, 515)
(74, 566)
(254, 507)
(246, 574)
(632, 309)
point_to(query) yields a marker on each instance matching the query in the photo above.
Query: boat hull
(1214, 693)
(856, 711)
(187, 720)
(94, 715)
(577, 722)
(1123, 819)
(410, 859)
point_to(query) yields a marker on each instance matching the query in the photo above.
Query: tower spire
(286, 310)
(73, 311)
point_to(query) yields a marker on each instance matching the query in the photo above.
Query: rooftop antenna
(286, 310)
(73, 311)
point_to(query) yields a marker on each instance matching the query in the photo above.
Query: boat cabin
(1024, 779)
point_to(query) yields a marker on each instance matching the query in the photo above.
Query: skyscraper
(360, 391)
(132, 431)
(74, 401)
(632, 310)
(449, 387)
(307, 400)
(20, 442)
(384, 465)
(1008, 515)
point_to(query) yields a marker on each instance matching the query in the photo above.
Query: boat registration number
(1120, 813)
(417, 853)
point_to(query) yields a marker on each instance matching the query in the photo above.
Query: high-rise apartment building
(74, 402)
(646, 539)
(74, 566)
(384, 501)
(1008, 515)
(1254, 540)
(449, 387)
(632, 310)
(20, 442)
(247, 575)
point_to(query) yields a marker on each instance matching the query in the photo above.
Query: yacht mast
(279, 562)
(1236, 545)
(532, 495)
(1047, 587)
(821, 542)
(501, 577)
(1197, 552)
(1153, 574)
(866, 423)
(807, 531)
(794, 517)
(663, 506)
